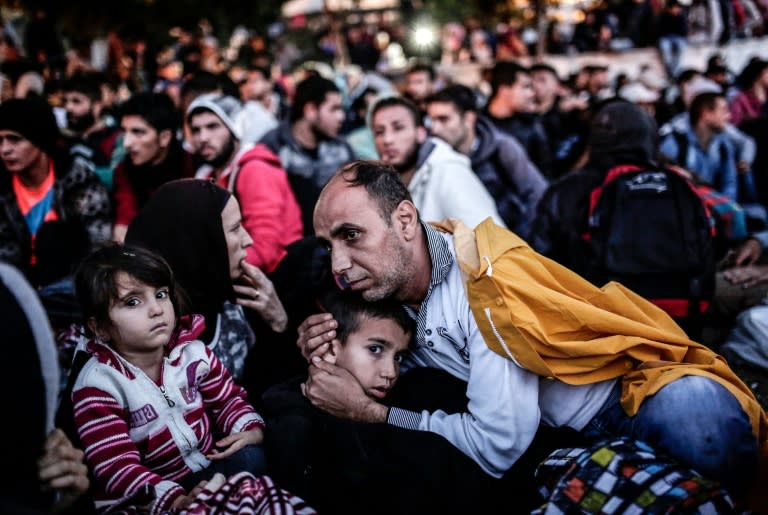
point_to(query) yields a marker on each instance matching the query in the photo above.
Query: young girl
(152, 400)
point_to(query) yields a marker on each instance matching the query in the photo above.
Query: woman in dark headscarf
(196, 226)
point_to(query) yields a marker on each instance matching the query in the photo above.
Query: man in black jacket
(497, 158)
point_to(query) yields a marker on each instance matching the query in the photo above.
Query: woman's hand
(61, 468)
(258, 293)
(747, 276)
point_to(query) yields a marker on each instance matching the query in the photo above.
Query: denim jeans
(250, 458)
(672, 48)
(692, 419)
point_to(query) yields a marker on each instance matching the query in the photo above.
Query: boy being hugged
(316, 455)
(156, 411)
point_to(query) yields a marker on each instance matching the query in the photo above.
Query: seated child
(156, 411)
(307, 447)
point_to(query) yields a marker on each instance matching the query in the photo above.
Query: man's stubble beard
(224, 156)
(80, 124)
(398, 274)
(411, 159)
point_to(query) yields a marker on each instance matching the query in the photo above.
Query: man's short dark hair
(312, 90)
(702, 102)
(263, 70)
(201, 82)
(687, 75)
(157, 109)
(380, 181)
(422, 67)
(462, 98)
(350, 311)
(393, 101)
(543, 67)
(87, 83)
(505, 73)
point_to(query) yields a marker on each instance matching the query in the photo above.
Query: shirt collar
(439, 254)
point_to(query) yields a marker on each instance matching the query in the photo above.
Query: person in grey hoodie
(497, 158)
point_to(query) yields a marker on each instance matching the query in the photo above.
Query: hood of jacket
(259, 152)
(622, 133)
(486, 143)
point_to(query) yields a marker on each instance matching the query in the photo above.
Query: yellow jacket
(558, 325)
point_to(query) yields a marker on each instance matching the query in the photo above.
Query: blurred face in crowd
(80, 111)
(18, 154)
(255, 87)
(211, 139)
(545, 87)
(451, 126)
(518, 96)
(418, 85)
(718, 117)
(326, 119)
(142, 142)
(397, 137)
(598, 80)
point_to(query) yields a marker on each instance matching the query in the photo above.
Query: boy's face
(373, 354)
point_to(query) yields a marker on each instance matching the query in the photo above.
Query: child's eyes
(162, 294)
(375, 349)
(399, 358)
(132, 302)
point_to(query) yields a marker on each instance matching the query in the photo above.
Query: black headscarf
(182, 223)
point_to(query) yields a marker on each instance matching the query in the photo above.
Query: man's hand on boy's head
(316, 334)
(234, 442)
(334, 390)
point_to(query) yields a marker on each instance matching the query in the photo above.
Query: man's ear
(470, 117)
(421, 134)
(310, 111)
(406, 218)
(165, 136)
(333, 352)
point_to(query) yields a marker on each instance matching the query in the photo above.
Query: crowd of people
(296, 291)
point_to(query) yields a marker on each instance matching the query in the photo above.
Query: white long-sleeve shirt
(506, 402)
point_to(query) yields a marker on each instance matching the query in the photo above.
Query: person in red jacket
(154, 155)
(271, 214)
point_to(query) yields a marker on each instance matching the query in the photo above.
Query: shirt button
(429, 332)
(499, 301)
(430, 344)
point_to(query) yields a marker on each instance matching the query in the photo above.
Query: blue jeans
(672, 48)
(694, 420)
(250, 459)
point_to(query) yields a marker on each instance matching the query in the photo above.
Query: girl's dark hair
(350, 311)
(96, 279)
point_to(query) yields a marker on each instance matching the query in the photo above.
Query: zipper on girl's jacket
(170, 401)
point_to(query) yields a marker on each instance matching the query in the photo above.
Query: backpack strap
(594, 196)
(682, 148)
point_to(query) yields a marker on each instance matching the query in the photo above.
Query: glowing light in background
(424, 36)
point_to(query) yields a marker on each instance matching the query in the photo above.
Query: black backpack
(649, 229)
